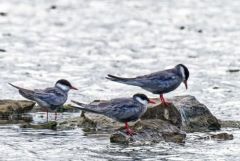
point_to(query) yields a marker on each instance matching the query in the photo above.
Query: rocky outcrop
(150, 131)
(12, 109)
(159, 123)
(185, 112)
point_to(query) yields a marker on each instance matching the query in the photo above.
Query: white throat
(144, 102)
(182, 72)
(63, 87)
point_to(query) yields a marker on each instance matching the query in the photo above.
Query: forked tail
(130, 81)
(29, 94)
(84, 107)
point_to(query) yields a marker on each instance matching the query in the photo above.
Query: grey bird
(120, 109)
(159, 82)
(50, 98)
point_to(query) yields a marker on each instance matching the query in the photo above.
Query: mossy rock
(49, 125)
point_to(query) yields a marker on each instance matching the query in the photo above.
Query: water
(85, 40)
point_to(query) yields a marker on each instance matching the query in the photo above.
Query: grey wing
(51, 96)
(122, 110)
(159, 81)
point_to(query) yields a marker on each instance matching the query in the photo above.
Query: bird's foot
(166, 104)
(130, 132)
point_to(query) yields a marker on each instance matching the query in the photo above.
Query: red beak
(152, 102)
(74, 88)
(185, 82)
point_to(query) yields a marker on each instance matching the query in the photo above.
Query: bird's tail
(130, 81)
(85, 107)
(29, 94)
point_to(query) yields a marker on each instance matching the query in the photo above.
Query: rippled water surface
(85, 40)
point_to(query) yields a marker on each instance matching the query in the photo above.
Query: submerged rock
(49, 125)
(230, 123)
(219, 136)
(12, 109)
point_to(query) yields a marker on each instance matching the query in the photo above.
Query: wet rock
(215, 87)
(90, 122)
(2, 50)
(53, 7)
(187, 113)
(12, 122)
(220, 136)
(3, 14)
(14, 108)
(150, 131)
(195, 116)
(233, 70)
(229, 124)
(200, 31)
(157, 124)
(193, 56)
(7, 34)
(182, 27)
(49, 125)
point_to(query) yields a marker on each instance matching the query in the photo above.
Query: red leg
(128, 130)
(55, 116)
(47, 115)
(165, 103)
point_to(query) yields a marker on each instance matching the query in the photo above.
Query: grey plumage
(159, 82)
(121, 109)
(50, 98)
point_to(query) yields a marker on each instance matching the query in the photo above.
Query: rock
(231, 124)
(195, 116)
(49, 125)
(2, 50)
(233, 70)
(186, 113)
(220, 136)
(90, 122)
(157, 124)
(53, 7)
(150, 131)
(14, 108)
(3, 14)
(182, 27)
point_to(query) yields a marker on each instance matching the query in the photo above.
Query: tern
(50, 98)
(120, 109)
(159, 82)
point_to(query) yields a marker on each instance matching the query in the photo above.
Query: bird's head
(183, 70)
(142, 98)
(64, 85)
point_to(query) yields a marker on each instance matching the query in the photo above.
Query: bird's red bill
(152, 102)
(74, 88)
(185, 82)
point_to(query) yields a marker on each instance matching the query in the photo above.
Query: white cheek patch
(63, 87)
(144, 102)
(182, 72)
